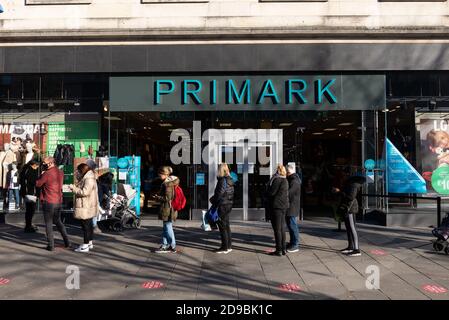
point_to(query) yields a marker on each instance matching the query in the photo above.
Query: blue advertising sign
(200, 179)
(402, 177)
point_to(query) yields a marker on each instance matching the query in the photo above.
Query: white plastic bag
(205, 226)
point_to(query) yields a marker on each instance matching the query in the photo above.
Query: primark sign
(255, 92)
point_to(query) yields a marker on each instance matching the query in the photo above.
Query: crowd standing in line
(282, 204)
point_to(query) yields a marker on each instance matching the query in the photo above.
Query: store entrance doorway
(252, 156)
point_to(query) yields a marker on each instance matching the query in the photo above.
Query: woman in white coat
(86, 203)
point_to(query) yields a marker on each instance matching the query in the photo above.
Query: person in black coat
(28, 177)
(294, 196)
(278, 203)
(223, 200)
(348, 208)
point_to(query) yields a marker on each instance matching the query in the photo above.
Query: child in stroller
(442, 235)
(115, 210)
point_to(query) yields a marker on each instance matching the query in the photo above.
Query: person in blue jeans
(166, 213)
(13, 184)
(294, 196)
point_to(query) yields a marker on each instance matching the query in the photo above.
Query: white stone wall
(221, 16)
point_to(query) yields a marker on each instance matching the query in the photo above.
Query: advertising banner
(434, 136)
(402, 177)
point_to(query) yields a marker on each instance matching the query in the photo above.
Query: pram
(119, 214)
(442, 235)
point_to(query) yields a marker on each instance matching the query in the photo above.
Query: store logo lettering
(192, 91)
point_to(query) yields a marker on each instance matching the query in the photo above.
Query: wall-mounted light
(77, 103)
(432, 104)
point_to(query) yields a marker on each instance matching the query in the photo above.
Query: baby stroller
(442, 235)
(119, 214)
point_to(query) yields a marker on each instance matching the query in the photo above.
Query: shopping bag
(205, 225)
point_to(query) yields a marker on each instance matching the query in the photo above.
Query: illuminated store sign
(269, 92)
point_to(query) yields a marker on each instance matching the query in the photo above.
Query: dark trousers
(88, 230)
(52, 215)
(353, 240)
(224, 226)
(278, 223)
(30, 209)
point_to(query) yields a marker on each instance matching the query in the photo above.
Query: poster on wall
(402, 177)
(434, 136)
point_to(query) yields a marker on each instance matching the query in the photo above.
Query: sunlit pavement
(124, 266)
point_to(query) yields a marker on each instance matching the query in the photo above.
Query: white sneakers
(85, 247)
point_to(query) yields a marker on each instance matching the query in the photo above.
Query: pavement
(124, 265)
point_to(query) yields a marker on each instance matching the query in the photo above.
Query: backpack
(179, 201)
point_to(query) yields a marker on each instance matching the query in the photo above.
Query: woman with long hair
(278, 203)
(223, 200)
(86, 203)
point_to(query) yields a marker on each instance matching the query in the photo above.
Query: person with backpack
(223, 200)
(172, 200)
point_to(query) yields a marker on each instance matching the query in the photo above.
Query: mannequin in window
(29, 152)
(12, 181)
(2, 193)
(8, 159)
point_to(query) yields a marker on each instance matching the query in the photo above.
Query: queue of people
(282, 205)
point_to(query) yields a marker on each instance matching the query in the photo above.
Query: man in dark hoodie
(349, 207)
(294, 197)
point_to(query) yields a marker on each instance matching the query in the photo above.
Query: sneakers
(292, 249)
(162, 250)
(172, 250)
(346, 250)
(224, 251)
(355, 253)
(91, 245)
(82, 248)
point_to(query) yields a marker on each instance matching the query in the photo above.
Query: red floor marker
(4, 281)
(378, 252)
(269, 251)
(152, 285)
(434, 289)
(290, 287)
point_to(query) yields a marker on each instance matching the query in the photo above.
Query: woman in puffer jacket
(167, 213)
(86, 203)
(223, 200)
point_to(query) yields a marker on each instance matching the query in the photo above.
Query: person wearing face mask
(86, 203)
(50, 182)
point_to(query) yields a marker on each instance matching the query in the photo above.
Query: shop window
(46, 2)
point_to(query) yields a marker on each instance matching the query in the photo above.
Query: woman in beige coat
(86, 203)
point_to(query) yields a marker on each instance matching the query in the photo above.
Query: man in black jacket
(349, 208)
(294, 196)
(28, 177)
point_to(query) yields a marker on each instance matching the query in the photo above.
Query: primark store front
(252, 116)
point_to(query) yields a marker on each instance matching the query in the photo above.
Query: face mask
(44, 166)
(78, 175)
